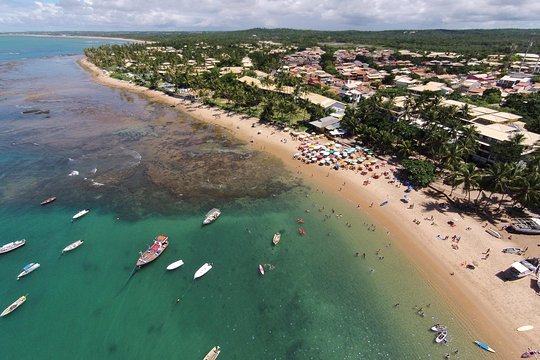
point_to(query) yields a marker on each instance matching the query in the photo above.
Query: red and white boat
(48, 201)
(154, 251)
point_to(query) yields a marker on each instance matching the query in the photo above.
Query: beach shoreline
(490, 308)
(77, 37)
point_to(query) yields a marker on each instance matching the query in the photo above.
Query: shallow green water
(319, 302)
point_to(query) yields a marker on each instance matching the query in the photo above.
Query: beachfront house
(329, 124)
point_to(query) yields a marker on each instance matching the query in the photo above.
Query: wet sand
(490, 308)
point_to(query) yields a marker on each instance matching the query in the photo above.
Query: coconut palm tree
(469, 177)
(527, 190)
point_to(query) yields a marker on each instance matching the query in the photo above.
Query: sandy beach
(491, 308)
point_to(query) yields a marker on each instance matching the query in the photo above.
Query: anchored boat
(48, 201)
(13, 306)
(276, 238)
(28, 269)
(73, 246)
(80, 214)
(202, 270)
(154, 251)
(175, 265)
(213, 354)
(211, 216)
(12, 246)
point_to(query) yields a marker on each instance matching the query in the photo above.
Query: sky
(191, 15)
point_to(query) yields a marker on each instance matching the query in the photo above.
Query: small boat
(276, 238)
(28, 269)
(484, 346)
(494, 233)
(80, 214)
(73, 246)
(213, 354)
(384, 203)
(13, 306)
(530, 353)
(175, 265)
(48, 201)
(261, 269)
(12, 246)
(441, 336)
(301, 231)
(300, 221)
(211, 216)
(202, 270)
(438, 328)
(529, 226)
(154, 251)
(512, 250)
(525, 328)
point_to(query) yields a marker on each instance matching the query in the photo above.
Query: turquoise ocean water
(144, 170)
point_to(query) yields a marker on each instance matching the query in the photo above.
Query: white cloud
(20, 15)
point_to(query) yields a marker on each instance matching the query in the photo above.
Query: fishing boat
(13, 306)
(494, 233)
(300, 221)
(73, 246)
(261, 269)
(530, 353)
(513, 250)
(441, 336)
(80, 214)
(276, 238)
(438, 328)
(28, 269)
(213, 354)
(301, 231)
(175, 265)
(529, 226)
(484, 346)
(202, 270)
(48, 201)
(211, 216)
(12, 246)
(160, 244)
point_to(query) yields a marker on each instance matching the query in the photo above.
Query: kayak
(484, 346)
(175, 265)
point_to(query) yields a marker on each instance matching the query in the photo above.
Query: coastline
(493, 308)
(76, 37)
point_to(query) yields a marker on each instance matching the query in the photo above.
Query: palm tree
(452, 175)
(405, 148)
(527, 190)
(469, 177)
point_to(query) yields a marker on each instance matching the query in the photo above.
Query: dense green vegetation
(478, 43)
(442, 147)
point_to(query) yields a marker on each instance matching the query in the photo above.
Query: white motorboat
(80, 214)
(13, 306)
(261, 269)
(213, 354)
(202, 270)
(12, 246)
(175, 265)
(276, 238)
(438, 328)
(441, 336)
(28, 269)
(211, 216)
(73, 246)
